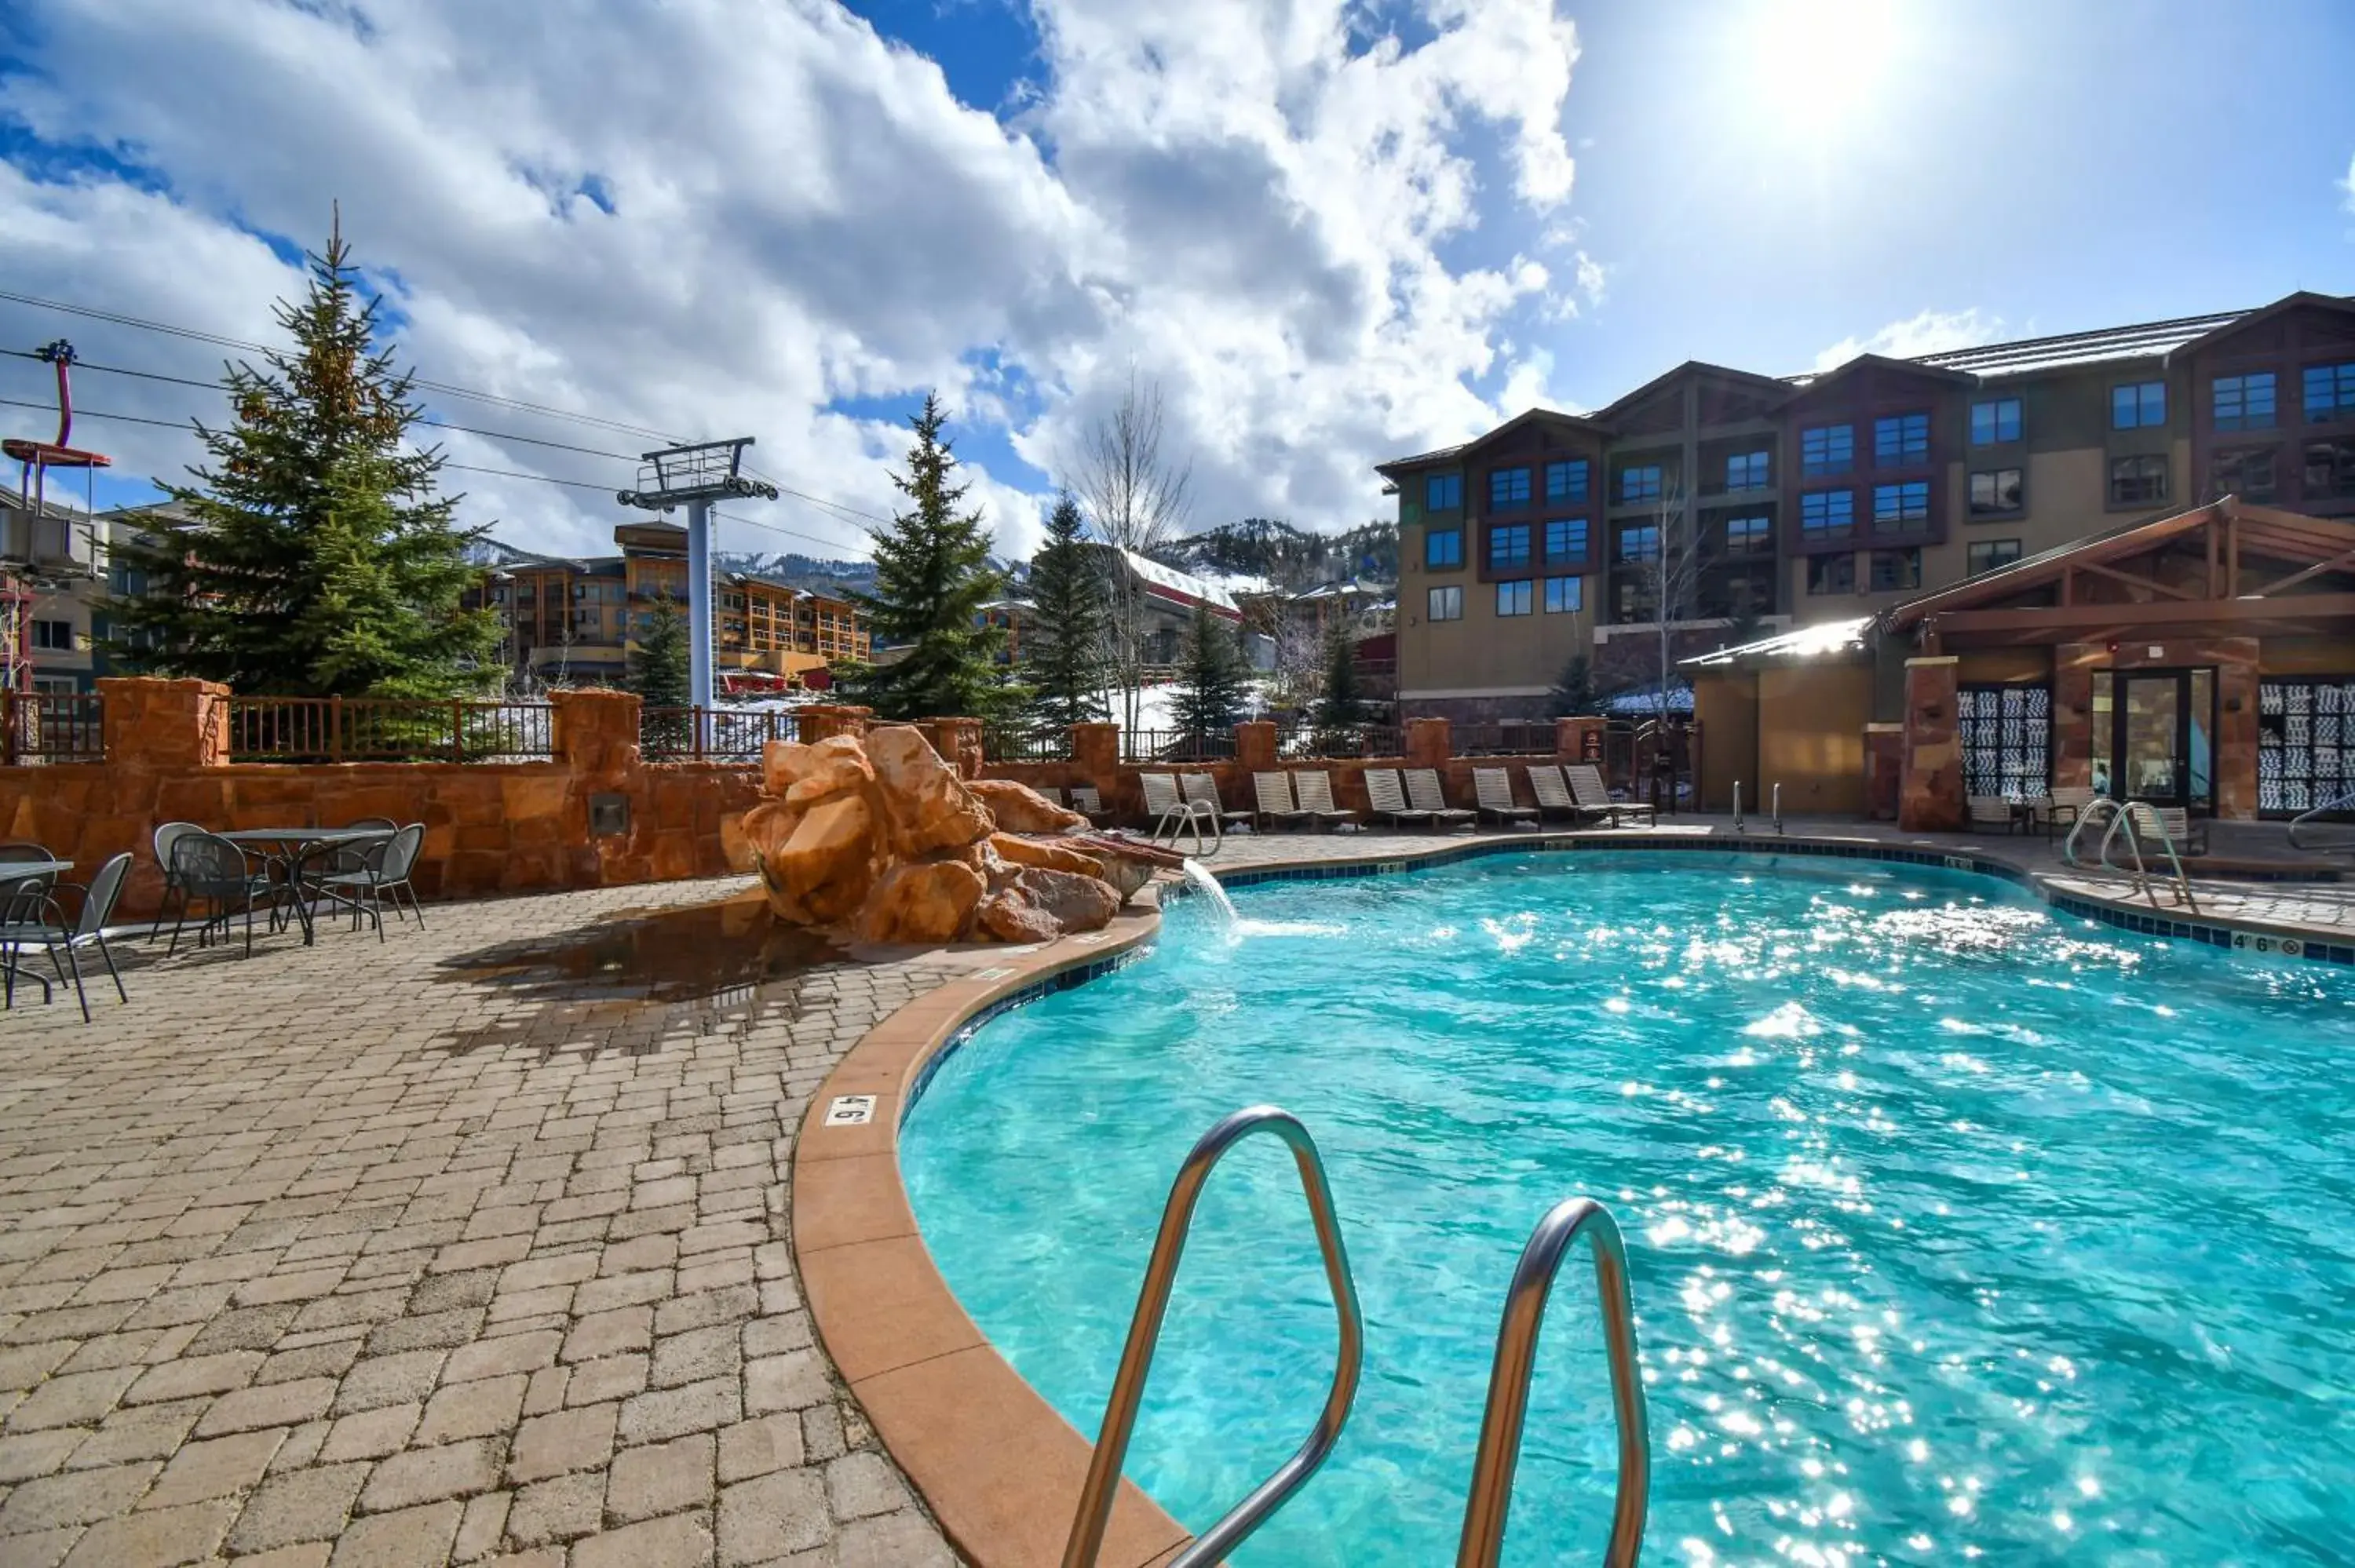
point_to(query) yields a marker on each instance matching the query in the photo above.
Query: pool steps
(1498, 1453)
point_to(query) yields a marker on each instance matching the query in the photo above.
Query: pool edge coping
(954, 1414)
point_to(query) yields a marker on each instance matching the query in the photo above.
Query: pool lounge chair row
(1189, 803)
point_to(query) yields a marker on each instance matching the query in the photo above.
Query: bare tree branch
(1137, 501)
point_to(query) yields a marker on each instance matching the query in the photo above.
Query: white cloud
(1244, 199)
(2347, 185)
(1928, 332)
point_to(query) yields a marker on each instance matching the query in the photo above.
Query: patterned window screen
(2006, 734)
(2305, 742)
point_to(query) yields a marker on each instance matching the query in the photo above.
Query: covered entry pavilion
(2204, 660)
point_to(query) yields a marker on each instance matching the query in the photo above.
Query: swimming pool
(1955, 1227)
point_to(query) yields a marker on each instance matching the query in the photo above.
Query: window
(1986, 555)
(2005, 734)
(2248, 475)
(1632, 601)
(1447, 603)
(2137, 481)
(1566, 481)
(1827, 514)
(1895, 569)
(1639, 544)
(1640, 484)
(1831, 574)
(1565, 596)
(1994, 489)
(1513, 597)
(1442, 493)
(1900, 440)
(1566, 539)
(1895, 505)
(1749, 535)
(55, 635)
(1827, 448)
(1443, 547)
(2244, 402)
(1746, 471)
(1997, 419)
(2305, 742)
(1508, 547)
(2330, 468)
(2329, 392)
(2140, 406)
(1509, 487)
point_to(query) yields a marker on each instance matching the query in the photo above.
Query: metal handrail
(2123, 817)
(2342, 803)
(1491, 1497)
(1094, 1514)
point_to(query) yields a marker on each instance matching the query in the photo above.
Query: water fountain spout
(1203, 882)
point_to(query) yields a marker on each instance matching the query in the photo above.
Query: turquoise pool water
(1957, 1229)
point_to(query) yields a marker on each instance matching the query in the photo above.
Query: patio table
(12, 873)
(297, 845)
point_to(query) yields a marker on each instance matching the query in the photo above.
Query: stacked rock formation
(879, 837)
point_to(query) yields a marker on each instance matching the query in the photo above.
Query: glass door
(2161, 728)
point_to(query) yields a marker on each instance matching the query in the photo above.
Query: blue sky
(1331, 232)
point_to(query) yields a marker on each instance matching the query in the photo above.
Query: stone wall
(489, 827)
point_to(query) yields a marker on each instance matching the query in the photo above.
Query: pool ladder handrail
(1491, 1496)
(2342, 803)
(1103, 1484)
(2126, 818)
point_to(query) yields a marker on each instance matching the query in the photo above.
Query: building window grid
(2244, 402)
(1565, 596)
(1986, 555)
(2139, 406)
(1748, 471)
(2247, 474)
(1640, 542)
(2330, 469)
(1443, 547)
(1894, 506)
(2005, 734)
(1826, 449)
(1900, 440)
(1566, 539)
(1509, 487)
(1442, 491)
(2329, 392)
(1995, 420)
(1566, 481)
(1827, 515)
(2305, 742)
(1832, 574)
(1997, 490)
(1895, 569)
(1445, 603)
(1640, 484)
(1513, 597)
(2137, 481)
(1508, 546)
(1752, 535)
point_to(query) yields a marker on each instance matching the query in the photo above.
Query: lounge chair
(1492, 792)
(1586, 789)
(1088, 801)
(1384, 792)
(2063, 808)
(1274, 793)
(1552, 795)
(2188, 835)
(1423, 791)
(1989, 811)
(1172, 814)
(1202, 790)
(1315, 791)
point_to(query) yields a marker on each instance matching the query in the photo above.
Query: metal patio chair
(211, 870)
(383, 874)
(63, 940)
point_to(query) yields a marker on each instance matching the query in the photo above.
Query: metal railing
(1297, 740)
(1007, 744)
(712, 735)
(1502, 740)
(1177, 746)
(1103, 1484)
(382, 729)
(2345, 802)
(52, 727)
(2126, 818)
(1491, 1497)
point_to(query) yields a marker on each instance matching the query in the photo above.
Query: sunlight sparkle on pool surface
(1956, 1228)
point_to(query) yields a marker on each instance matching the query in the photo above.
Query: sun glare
(1821, 63)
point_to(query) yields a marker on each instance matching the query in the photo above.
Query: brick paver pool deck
(470, 1246)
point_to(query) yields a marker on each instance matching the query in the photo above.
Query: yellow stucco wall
(1811, 724)
(1725, 705)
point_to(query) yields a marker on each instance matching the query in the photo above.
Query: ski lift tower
(694, 477)
(32, 559)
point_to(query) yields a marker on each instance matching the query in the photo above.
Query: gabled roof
(1527, 416)
(1692, 368)
(2146, 340)
(1820, 379)
(2246, 318)
(2291, 536)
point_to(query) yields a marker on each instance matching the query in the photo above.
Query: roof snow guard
(1183, 588)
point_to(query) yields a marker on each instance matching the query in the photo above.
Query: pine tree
(1070, 621)
(1213, 686)
(1341, 709)
(659, 675)
(313, 556)
(932, 577)
(1573, 694)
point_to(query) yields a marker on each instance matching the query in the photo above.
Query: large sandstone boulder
(1010, 916)
(1018, 809)
(827, 866)
(1077, 903)
(835, 766)
(922, 904)
(1044, 852)
(925, 804)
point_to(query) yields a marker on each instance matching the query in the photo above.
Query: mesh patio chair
(383, 874)
(166, 836)
(1586, 789)
(1388, 798)
(1202, 790)
(1546, 786)
(2187, 833)
(1492, 790)
(25, 892)
(1088, 801)
(215, 871)
(1273, 792)
(63, 940)
(1314, 793)
(1990, 811)
(1423, 793)
(1173, 815)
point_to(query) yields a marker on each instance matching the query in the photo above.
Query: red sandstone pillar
(818, 721)
(2074, 665)
(1430, 742)
(1579, 739)
(2232, 757)
(958, 741)
(1095, 753)
(1930, 777)
(1884, 762)
(595, 732)
(1256, 747)
(154, 723)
